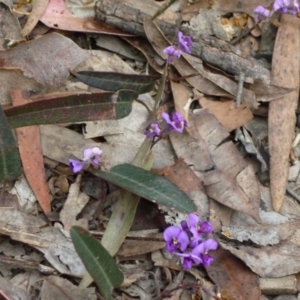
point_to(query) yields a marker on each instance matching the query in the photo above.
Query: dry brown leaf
(236, 281)
(74, 204)
(135, 248)
(32, 157)
(181, 96)
(10, 27)
(57, 16)
(228, 86)
(220, 187)
(275, 261)
(37, 11)
(282, 117)
(11, 291)
(57, 248)
(183, 176)
(145, 47)
(10, 79)
(48, 59)
(230, 116)
(241, 6)
(232, 182)
(55, 287)
(262, 234)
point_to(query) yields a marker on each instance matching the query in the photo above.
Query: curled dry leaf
(37, 11)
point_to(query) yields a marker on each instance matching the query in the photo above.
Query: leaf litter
(221, 161)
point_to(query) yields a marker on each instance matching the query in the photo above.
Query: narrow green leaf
(110, 81)
(98, 262)
(148, 185)
(72, 108)
(10, 165)
(123, 211)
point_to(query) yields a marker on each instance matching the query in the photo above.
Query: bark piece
(129, 15)
(282, 117)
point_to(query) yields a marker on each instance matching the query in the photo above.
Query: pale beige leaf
(39, 6)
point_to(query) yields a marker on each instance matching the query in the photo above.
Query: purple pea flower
(284, 6)
(194, 229)
(171, 51)
(90, 156)
(205, 227)
(281, 5)
(201, 251)
(184, 42)
(199, 254)
(175, 239)
(176, 122)
(188, 259)
(262, 12)
(75, 165)
(153, 131)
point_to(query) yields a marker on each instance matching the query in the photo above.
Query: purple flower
(175, 238)
(280, 5)
(170, 52)
(184, 42)
(194, 229)
(75, 165)
(205, 227)
(262, 12)
(176, 122)
(201, 251)
(153, 131)
(92, 155)
(284, 6)
(188, 259)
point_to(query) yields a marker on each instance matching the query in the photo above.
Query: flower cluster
(188, 242)
(184, 44)
(91, 156)
(162, 128)
(283, 6)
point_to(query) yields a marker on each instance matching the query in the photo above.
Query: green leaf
(72, 108)
(98, 262)
(10, 165)
(148, 185)
(110, 81)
